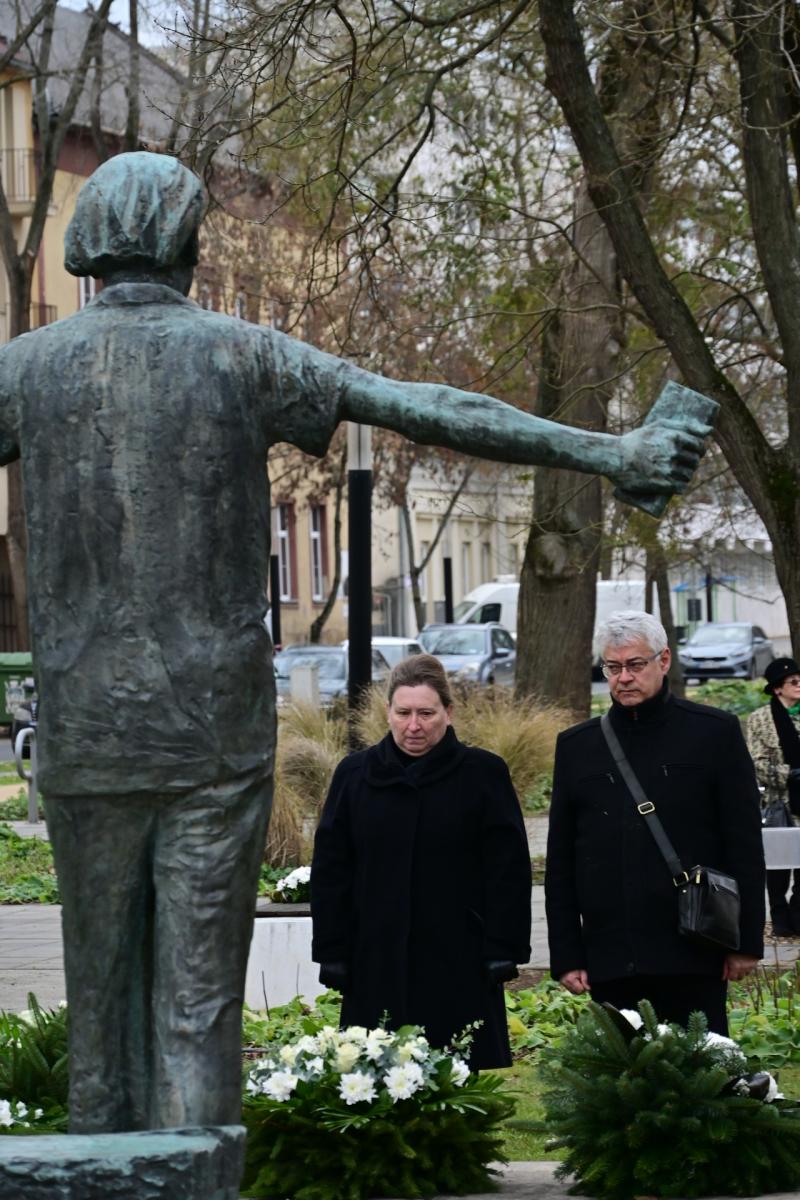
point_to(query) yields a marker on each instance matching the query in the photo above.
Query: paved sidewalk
(534, 1181)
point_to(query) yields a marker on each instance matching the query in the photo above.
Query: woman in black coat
(420, 881)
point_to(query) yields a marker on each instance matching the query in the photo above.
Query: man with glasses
(611, 903)
(773, 737)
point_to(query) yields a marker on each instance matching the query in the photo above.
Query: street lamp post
(447, 565)
(359, 589)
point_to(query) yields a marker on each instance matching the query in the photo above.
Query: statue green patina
(143, 423)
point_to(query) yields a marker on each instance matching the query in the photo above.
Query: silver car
(484, 654)
(726, 649)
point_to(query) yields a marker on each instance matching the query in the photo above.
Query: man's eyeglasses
(634, 666)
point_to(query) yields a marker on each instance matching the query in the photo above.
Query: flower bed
(641, 1107)
(346, 1114)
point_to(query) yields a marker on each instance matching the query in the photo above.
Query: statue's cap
(136, 210)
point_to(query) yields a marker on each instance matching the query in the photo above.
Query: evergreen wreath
(641, 1107)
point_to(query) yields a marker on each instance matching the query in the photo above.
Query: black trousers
(784, 909)
(673, 997)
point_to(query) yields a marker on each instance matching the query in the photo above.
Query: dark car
(331, 663)
(483, 654)
(726, 649)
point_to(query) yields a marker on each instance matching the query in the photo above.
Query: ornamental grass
(523, 732)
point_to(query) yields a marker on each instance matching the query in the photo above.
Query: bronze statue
(143, 423)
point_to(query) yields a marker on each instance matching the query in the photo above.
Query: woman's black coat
(420, 875)
(611, 903)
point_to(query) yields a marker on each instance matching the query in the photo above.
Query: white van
(495, 601)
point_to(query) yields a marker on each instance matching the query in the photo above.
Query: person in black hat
(773, 738)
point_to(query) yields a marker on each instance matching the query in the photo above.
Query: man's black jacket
(611, 903)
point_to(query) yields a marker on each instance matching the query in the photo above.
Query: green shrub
(659, 1110)
(33, 1066)
(288, 1022)
(739, 696)
(539, 1016)
(27, 874)
(764, 1017)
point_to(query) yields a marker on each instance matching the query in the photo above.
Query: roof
(162, 86)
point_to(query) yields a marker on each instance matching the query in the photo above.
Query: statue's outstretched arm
(658, 457)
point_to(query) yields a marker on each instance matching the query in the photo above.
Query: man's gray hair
(630, 625)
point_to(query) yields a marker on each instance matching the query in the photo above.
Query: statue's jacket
(420, 875)
(611, 903)
(143, 423)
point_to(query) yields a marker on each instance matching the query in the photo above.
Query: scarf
(790, 747)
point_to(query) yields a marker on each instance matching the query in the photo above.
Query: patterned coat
(765, 750)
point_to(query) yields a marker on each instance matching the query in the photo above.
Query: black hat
(778, 670)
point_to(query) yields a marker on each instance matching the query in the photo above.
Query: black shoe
(782, 930)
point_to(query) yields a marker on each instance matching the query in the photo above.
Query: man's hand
(576, 982)
(737, 966)
(660, 456)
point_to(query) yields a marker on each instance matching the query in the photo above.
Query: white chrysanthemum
(402, 1082)
(315, 1066)
(404, 1053)
(38, 1112)
(346, 1057)
(356, 1087)
(27, 1016)
(724, 1047)
(22, 1110)
(633, 1018)
(293, 879)
(308, 1045)
(376, 1043)
(5, 1113)
(459, 1072)
(280, 1085)
(355, 1033)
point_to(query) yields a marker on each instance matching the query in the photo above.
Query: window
(486, 562)
(87, 288)
(466, 566)
(286, 550)
(319, 564)
(423, 576)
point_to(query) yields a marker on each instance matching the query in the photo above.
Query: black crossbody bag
(708, 900)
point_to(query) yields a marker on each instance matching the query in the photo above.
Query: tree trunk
(770, 476)
(555, 619)
(661, 577)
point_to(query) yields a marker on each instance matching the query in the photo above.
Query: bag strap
(644, 807)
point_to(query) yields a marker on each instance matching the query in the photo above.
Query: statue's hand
(661, 455)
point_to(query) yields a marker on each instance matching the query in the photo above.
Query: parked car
(331, 662)
(484, 654)
(726, 649)
(393, 649)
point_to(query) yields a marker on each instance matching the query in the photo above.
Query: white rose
(633, 1018)
(288, 1055)
(459, 1072)
(347, 1055)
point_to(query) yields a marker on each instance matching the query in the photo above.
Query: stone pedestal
(160, 1164)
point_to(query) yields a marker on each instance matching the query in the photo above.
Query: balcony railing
(17, 170)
